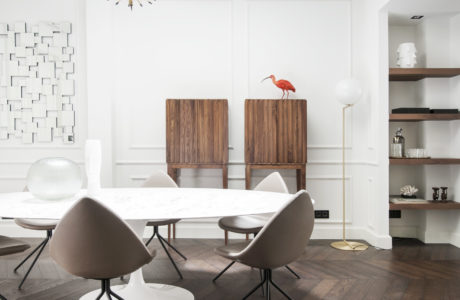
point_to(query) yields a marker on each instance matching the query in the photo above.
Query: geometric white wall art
(36, 83)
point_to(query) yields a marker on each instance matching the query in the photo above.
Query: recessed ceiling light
(416, 17)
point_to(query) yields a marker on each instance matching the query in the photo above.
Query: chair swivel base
(40, 247)
(233, 262)
(163, 241)
(105, 289)
(266, 283)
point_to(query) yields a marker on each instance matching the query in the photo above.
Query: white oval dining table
(138, 205)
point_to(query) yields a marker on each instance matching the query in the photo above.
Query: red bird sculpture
(284, 85)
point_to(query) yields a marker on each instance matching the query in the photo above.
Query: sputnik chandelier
(131, 3)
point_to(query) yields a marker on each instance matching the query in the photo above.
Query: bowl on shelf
(416, 153)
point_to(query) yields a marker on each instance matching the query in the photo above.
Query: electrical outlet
(395, 214)
(321, 214)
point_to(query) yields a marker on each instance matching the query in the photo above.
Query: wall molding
(158, 147)
(27, 162)
(242, 163)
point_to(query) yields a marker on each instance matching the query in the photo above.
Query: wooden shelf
(415, 74)
(424, 161)
(423, 117)
(429, 205)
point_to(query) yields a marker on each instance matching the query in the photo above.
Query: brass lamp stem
(344, 244)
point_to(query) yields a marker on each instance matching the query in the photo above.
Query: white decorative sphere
(54, 179)
(348, 91)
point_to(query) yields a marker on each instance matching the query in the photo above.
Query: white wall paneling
(222, 49)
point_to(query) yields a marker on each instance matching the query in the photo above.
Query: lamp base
(349, 246)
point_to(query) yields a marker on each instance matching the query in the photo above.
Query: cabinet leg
(248, 177)
(169, 233)
(298, 179)
(172, 172)
(303, 178)
(225, 176)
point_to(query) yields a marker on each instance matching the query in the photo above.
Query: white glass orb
(348, 91)
(54, 179)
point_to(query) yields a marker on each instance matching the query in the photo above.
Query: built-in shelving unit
(424, 161)
(423, 117)
(415, 74)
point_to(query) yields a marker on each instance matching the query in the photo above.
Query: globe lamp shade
(348, 91)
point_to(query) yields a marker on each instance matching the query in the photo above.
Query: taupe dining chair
(252, 224)
(161, 179)
(11, 246)
(40, 225)
(281, 241)
(94, 243)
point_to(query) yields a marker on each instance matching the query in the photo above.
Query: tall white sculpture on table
(93, 166)
(348, 92)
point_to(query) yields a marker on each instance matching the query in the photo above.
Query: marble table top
(151, 203)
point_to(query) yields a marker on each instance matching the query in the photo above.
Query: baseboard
(404, 231)
(208, 229)
(455, 239)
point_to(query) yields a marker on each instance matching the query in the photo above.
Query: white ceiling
(400, 11)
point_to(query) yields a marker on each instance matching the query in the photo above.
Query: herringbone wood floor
(411, 270)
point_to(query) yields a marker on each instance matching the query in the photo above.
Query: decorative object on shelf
(416, 153)
(54, 179)
(411, 110)
(93, 161)
(409, 191)
(348, 92)
(444, 111)
(398, 145)
(37, 82)
(131, 3)
(443, 193)
(284, 85)
(407, 57)
(435, 193)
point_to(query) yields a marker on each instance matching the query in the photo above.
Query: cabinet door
(196, 131)
(275, 131)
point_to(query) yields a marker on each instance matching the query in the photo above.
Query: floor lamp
(348, 92)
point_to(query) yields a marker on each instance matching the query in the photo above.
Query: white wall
(208, 49)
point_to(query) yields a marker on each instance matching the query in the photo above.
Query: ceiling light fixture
(131, 3)
(416, 17)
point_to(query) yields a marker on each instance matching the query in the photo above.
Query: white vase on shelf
(407, 55)
(93, 160)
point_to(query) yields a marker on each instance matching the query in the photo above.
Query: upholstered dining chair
(11, 246)
(252, 224)
(281, 241)
(40, 225)
(92, 242)
(161, 179)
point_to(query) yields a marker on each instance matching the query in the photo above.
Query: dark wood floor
(411, 270)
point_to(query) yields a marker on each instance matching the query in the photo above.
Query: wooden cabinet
(276, 136)
(197, 135)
